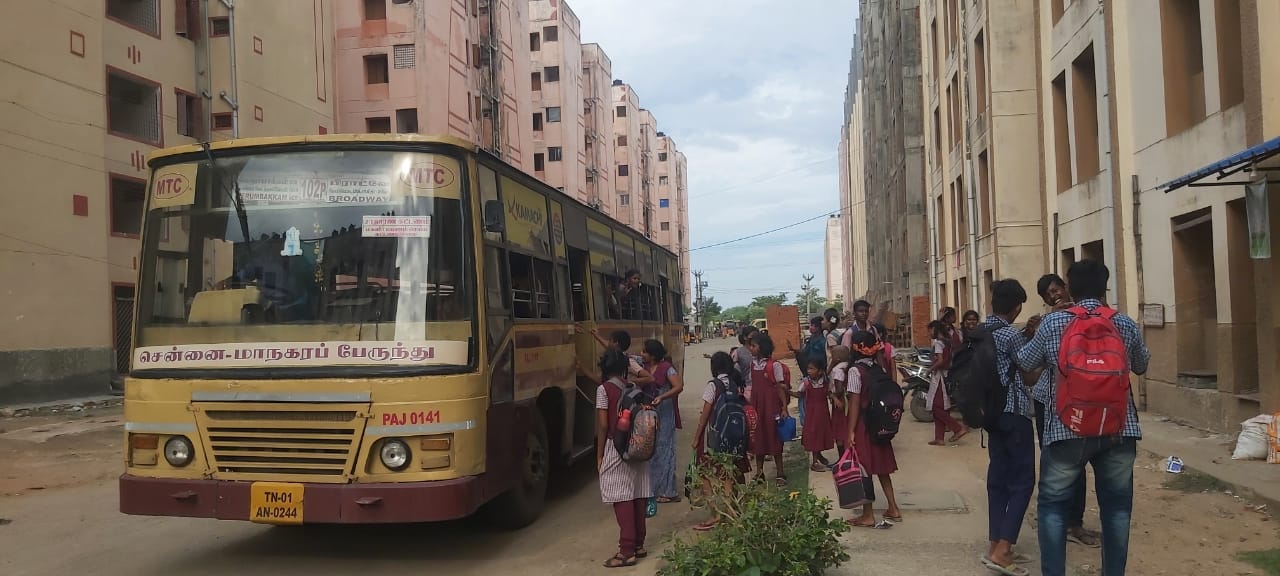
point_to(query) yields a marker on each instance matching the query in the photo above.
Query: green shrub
(764, 531)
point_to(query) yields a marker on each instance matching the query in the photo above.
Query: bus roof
(313, 138)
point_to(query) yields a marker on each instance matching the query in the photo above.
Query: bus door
(585, 346)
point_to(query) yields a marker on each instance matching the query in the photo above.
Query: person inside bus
(624, 485)
(625, 297)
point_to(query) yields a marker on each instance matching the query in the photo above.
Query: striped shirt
(1042, 352)
(1009, 340)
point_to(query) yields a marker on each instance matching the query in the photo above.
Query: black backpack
(979, 391)
(637, 442)
(729, 430)
(884, 409)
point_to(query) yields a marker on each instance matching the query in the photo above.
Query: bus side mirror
(493, 216)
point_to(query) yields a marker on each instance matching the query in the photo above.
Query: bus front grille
(274, 444)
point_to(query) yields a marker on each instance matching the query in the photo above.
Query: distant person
(938, 401)
(815, 346)
(1065, 453)
(1053, 291)
(770, 395)
(725, 377)
(624, 485)
(1011, 471)
(968, 322)
(668, 386)
(812, 396)
(742, 357)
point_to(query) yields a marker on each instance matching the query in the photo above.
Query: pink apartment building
(597, 110)
(672, 211)
(627, 156)
(454, 67)
(559, 122)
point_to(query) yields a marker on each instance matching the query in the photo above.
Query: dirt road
(58, 515)
(58, 492)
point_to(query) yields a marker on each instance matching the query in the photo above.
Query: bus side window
(495, 281)
(609, 307)
(522, 302)
(544, 288)
(578, 283)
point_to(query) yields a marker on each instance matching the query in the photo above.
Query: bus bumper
(322, 503)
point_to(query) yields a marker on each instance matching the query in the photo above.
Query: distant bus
(372, 328)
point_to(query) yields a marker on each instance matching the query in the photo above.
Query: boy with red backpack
(1091, 417)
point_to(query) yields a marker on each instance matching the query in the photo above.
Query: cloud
(753, 93)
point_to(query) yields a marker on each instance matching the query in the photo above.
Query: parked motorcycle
(914, 368)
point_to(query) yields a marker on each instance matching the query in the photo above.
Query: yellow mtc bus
(371, 328)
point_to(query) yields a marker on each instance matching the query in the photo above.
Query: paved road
(78, 530)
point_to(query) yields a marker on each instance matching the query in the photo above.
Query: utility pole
(808, 295)
(697, 305)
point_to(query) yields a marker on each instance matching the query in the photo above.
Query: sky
(754, 97)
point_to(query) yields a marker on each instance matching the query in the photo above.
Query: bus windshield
(306, 260)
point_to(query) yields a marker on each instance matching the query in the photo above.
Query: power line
(826, 214)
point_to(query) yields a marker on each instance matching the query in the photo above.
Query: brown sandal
(620, 561)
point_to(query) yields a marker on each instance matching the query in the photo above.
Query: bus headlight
(394, 454)
(178, 451)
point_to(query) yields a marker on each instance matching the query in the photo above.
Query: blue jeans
(1061, 463)
(1011, 476)
(1075, 513)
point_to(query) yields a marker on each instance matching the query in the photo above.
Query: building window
(622, 140)
(591, 178)
(186, 19)
(662, 156)
(375, 69)
(1230, 57)
(624, 170)
(1061, 134)
(535, 80)
(223, 121)
(1057, 8)
(133, 107)
(1084, 114)
(188, 113)
(664, 226)
(405, 56)
(127, 198)
(535, 42)
(219, 27)
(539, 162)
(143, 15)
(980, 70)
(664, 179)
(622, 112)
(550, 33)
(624, 199)
(664, 202)
(378, 125)
(375, 9)
(984, 195)
(1183, 58)
(551, 73)
(553, 114)
(407, 121)
(537, 121)
(554, 153)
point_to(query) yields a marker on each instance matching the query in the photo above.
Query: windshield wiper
(233, 194)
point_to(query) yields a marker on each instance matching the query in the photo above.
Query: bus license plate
(275, 503)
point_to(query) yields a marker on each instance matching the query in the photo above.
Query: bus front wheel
(522, 504)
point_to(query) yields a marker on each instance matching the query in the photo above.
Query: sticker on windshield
(292, 244)
(396, 227)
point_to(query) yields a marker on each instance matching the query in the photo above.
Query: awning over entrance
(1226, 167)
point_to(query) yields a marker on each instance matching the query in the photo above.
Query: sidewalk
(1210, 454)
(943, 495)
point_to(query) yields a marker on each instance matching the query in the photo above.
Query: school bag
(980, 392)
(853, 484)
(637, 431)
(884, 407)
(786, 372)
(730, 429)
(1093, 374)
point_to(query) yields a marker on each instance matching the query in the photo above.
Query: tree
(763, 302)
(710, 308)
